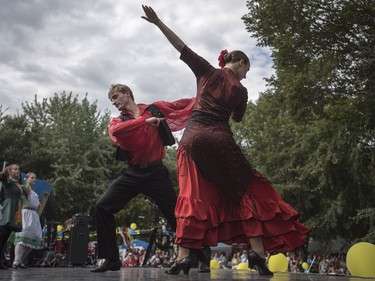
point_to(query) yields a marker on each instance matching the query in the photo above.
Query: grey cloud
(84, 46)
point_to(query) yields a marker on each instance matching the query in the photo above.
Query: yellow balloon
(278, 263)
(133, 226)
(214, 264)
(59, 228)
(305, 265)
(242, 266)
(360, 259)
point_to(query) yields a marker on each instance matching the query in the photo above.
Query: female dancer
(222, 197)
(31, 235)
(11, 201)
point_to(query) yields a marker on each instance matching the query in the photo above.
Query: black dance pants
(153, 182)
(5, 232)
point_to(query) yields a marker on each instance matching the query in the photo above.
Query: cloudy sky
(84, 46)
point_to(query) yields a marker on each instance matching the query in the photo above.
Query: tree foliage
(14, 138)
(66, 143)
(70, 149)
(313, 132)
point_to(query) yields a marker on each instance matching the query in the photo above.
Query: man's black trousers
(151, 181)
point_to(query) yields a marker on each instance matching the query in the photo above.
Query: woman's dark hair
(235, 56)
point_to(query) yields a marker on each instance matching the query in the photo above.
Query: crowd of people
(332, 264)
(160, 258)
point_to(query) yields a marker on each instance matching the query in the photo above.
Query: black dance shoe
(112, 265)
(258, 263)
(204, 258)
(183, 264)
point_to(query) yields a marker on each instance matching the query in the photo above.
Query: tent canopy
(137, 244)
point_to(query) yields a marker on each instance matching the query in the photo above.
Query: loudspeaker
(78, 245)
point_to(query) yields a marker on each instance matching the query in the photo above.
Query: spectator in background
(165, 258)
(155, 260)
(130, 261)
(314, 266)
(343, 269)
(11, 203)
(236, 259)
(31, 236)
(324, 266)
(244, 256)
(141, 257)
(223, 260)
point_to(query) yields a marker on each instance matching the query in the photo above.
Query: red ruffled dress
(222, 197)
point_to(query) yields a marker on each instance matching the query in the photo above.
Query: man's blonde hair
(120, 88)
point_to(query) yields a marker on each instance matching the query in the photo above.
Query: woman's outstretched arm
(152, 17)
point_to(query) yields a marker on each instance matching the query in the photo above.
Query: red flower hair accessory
(221, 58)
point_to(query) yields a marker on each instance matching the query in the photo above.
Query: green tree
(70, 149)
(14, 138)
(313, 132)
(65, 142)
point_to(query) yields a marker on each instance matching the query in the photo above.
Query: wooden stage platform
(143, 274)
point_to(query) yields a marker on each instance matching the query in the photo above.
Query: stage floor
(83, 274)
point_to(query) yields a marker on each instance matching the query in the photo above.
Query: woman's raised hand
(151, 16)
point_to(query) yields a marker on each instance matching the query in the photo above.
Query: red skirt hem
(206, 216)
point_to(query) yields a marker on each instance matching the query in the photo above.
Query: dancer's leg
(257, 246)
(182, 252)
(257, 258)
(18, 252)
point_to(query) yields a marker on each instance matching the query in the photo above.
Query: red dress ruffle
(205, 215)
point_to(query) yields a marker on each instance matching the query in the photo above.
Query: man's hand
(153, 121)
